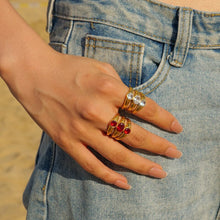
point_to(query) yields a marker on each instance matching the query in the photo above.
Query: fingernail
(173, 153)
(176, 127)
(157, 172)
(122, 184)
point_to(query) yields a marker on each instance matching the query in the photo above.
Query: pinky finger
(88, 161)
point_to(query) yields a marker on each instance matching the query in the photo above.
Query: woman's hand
(74, 98)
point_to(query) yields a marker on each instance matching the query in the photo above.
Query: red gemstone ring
(119, 127)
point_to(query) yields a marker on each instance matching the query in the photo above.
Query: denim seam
(188, 35)
(114, 42)
(93, 39)
(45, 187)
(208, 15)
(137, 31)
(92, 44)
(177, 62)
(94, 47)
(107, 22)
(50, 7)
(204, 46)
(87, 48)
(66, 42)
(131, 66)
(150, 83)
(164, 78)
(194, 47)
(181, 38)
(112, 48)
(138, 68)
(57, 43)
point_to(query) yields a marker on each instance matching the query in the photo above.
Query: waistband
(148, 18)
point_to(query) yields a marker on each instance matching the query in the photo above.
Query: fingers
(152, 112)
(158, 116)
(114, 91)
(120, 155)
(135, 136)
(143, 139)
(92, 165)
(138, 137)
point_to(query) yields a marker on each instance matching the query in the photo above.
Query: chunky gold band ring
(119, 127)
(134, 101)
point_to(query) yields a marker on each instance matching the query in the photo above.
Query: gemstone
(120, 127)
(113, 123)
(130, 95)
(137, 99)
(127, 130)
(142, 103)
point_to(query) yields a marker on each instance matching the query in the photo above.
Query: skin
(66, 100)
(202, 5)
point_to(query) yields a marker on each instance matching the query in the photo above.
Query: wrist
(21, 49)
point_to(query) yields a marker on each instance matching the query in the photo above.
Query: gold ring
(134, 101)
(126, 130)
(119, 127)
(113, 125)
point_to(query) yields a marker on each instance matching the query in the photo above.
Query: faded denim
(172, 55)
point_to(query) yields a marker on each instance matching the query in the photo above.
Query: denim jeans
(171, 54)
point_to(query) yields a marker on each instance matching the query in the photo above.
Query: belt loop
(50, 16)
(183, 37)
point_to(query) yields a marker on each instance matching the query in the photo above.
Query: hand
(74, 98)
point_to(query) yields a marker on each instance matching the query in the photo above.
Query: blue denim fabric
(172, 55)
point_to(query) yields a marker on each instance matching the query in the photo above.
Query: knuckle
(107, 177)
(119, 158)
(89, 167)
(102, 174)
(77, 128)
(59, 137)
(89, 112)
(138, 140)
(142, 169)
(108, 67)
(105, 85)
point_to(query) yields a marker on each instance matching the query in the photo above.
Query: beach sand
(19, 135)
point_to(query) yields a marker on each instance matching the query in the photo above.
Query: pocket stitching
(130, 67)
(113, 41)
(112, 48)
(91, 42)
(164, 78)
(138, 68)
(142, 87)
(89, 39)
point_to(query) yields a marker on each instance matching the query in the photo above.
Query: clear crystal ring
(134, 101)
(119, 127)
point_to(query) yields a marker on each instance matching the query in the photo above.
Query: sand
(19, 135)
